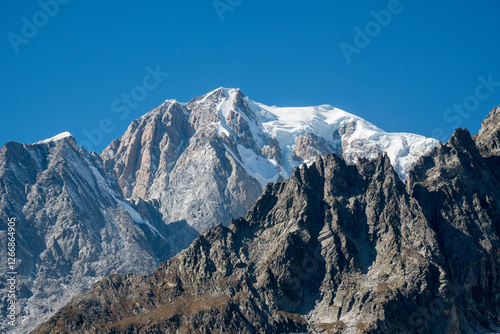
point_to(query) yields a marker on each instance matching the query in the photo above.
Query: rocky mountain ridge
(180, 167)
(73, 227)
(336, 248)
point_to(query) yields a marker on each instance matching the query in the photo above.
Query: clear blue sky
(66, 75)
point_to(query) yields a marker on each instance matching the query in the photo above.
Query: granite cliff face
(73, 227)
(208, 160)
(336, 248)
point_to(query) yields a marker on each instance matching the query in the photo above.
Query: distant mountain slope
(336, 248)
(73, 227)
(208, 160)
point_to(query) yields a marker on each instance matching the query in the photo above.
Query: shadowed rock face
(336, 248)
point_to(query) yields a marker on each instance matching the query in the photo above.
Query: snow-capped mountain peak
(208, 160)
(344, 133)
(338, 131)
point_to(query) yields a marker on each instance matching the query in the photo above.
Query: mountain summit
(208, 160)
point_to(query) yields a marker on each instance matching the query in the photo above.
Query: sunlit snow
(57, 137)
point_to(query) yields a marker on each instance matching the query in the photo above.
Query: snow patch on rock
(57, 137)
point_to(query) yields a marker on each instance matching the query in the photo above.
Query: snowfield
(286, 125)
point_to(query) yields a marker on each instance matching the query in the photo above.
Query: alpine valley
(346, 228)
